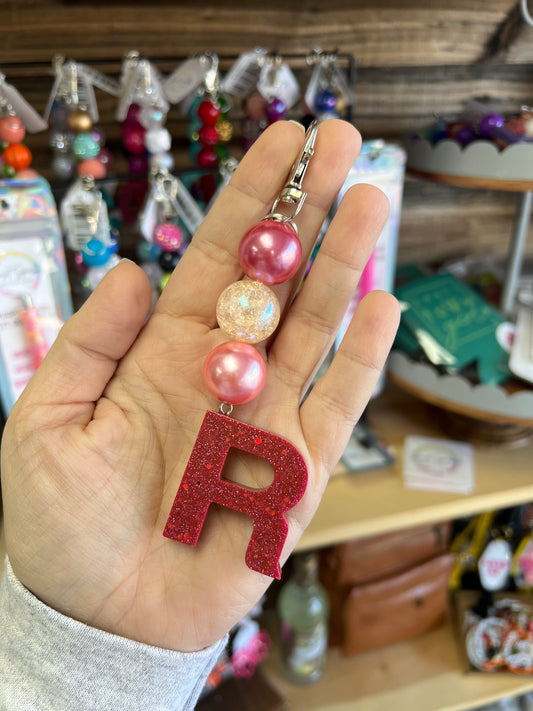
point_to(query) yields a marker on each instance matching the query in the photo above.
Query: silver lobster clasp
(292, 193)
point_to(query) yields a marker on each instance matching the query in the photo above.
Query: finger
(313, 320)
(84, 356)
(337, 400)
(211, 262)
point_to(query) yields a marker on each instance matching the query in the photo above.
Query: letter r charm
(202, 485)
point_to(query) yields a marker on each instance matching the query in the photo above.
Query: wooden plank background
(415, 59)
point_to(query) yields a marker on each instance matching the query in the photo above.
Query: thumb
(84, 356)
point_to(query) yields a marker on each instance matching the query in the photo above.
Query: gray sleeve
(49, 662)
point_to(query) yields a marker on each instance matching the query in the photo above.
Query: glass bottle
(303, 610)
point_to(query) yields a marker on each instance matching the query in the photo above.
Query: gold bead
(225, 131)
(79, 121)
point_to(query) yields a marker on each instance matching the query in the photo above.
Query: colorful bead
(275, 110)
(206, 157)
(79, 121)
(270, 252)
(168, 237)
(325, 102)
(208, 136)
(248, 311)
(133, 137)
(255, 106)
(17, 156)
(157, 140)
(234, 373)
(94, 167)
(11, 129)
(208, 113)
(225, 131)
(85, 147)
(95, 253)
(168, 261)
(62, 165)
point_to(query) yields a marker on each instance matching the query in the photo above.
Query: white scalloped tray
(487, 402)
(480, 159)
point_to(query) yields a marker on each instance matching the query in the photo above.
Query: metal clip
(292, 193)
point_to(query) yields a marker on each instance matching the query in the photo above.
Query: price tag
(242, 78)
(277, 80)
(185, 79)
(32, 121)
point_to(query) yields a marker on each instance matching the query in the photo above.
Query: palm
(101, 461)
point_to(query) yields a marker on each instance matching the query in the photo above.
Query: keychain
(168, 220)
(235, 373)
(328, 94)
(142, 109)
(75, 138)
(16, 117)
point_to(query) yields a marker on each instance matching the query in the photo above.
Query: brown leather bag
(363, 560)
(396, 608)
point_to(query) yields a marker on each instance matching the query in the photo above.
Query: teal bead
(194, 149)
(85, 146)
(194, 107)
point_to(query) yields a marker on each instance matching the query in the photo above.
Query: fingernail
(297, 123)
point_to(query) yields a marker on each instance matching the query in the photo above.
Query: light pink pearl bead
(93, 167)
(11, 129)
(168, 236)
(234, 372)
(270, 252)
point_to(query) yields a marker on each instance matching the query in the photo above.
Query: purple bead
(325, 102)
(138, 165)
(465, 135)
(488, 123)
(275, 110)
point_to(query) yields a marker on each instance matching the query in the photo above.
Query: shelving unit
(426, 673)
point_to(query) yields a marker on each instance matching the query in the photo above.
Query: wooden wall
(415, 58)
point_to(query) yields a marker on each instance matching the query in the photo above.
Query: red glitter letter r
(201, 486)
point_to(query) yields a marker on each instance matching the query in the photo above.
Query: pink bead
(133, 137)
(270, 252)
(168, 237)
(27, 174)
(92, 167)
(11, 129)
(234, 372)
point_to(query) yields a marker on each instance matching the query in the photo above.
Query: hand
(95, 448)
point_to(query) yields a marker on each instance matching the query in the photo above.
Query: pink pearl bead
(11, 129)
(234, 373)
(168, 237)
(270, 252)
(92, 167)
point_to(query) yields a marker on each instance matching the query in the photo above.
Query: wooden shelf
(356, 505)
(425, 674)
(422, 675)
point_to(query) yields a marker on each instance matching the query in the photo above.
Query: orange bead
(17, 156)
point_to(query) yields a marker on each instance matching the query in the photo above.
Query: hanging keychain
(241, 83)
(234, 373)
(142, 109)
(328, 94)
(75, 138)
(278, 86)
(167, 221)
(16, 117)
